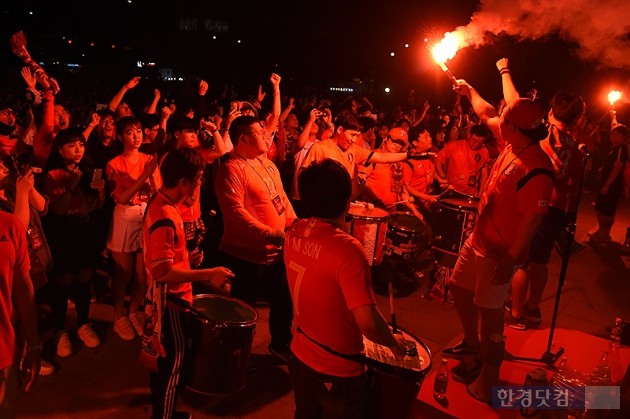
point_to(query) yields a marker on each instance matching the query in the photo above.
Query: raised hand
(203, 88)
(275, 81)
(261, 94)
(29, 77)
(502, 63)
(133, 82)
(95, 119)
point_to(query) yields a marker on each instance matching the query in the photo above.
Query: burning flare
(614, 96)
(446, 50)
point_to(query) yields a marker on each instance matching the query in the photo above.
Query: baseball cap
(398, 134)
(527, 116)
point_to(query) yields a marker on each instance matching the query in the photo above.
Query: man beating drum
(333, 304)
(164, 347)
(459, 164)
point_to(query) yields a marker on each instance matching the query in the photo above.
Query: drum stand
(549, 357)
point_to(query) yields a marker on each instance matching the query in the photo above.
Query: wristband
(504, 70)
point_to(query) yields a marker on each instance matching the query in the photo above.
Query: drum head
(405, 221)
(466, 204)
(224, 310)
(366, 213)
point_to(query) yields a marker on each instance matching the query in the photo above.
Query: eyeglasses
(8, 112)
(399, 143)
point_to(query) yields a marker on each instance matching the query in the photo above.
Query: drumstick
(390, 288)
(400, 202)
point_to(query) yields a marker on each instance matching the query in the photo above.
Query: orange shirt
(163, 230)
(253, 204)
(462, 165)
(422, 176)
(381, 188)
(328, 149)
(122, 173)
(518, 184)
(190, 213)
(328, 276)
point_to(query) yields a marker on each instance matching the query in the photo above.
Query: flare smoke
(599, 28)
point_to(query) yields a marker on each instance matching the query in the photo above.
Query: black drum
(453, 222)
(403, 239)
(221, 344)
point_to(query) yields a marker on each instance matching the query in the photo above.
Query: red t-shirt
(122, 173)
(328, 149)
(250, 194)
(422, 176)
(190, 213)
(163, 230)
(328, 276)
(518, 184)
(14, 262)
(56, 182)
(462, 165)
(381, 187)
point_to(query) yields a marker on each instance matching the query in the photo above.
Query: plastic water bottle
(601, 374)
(615, 332)
(441, 381)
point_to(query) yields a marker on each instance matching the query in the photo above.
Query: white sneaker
(89, 336)
(137, 320)
(46, 368)
(124, 328)
(64, 346)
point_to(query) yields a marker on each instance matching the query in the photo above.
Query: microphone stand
(549, 357)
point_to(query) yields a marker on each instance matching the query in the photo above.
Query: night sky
(320, 43)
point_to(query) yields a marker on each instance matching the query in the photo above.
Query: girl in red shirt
(132, 178)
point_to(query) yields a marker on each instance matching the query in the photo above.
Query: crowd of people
(146, 202)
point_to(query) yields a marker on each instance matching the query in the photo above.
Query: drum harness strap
(360, 358)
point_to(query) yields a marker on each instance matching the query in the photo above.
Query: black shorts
(73, 243)
(546, 234)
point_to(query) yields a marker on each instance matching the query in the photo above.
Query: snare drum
(221, 344)
(404, 231)
(453, 222)
(369, 226)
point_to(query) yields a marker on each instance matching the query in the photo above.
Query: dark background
(310, 44)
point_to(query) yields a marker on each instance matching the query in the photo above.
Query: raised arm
(154, 103)
(124, 196)
(95, 119)
(286, 111)
(509, 90)
(484, 110)
(118, 97)
(272, 120)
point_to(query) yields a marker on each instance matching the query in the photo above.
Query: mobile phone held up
(97, 175)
